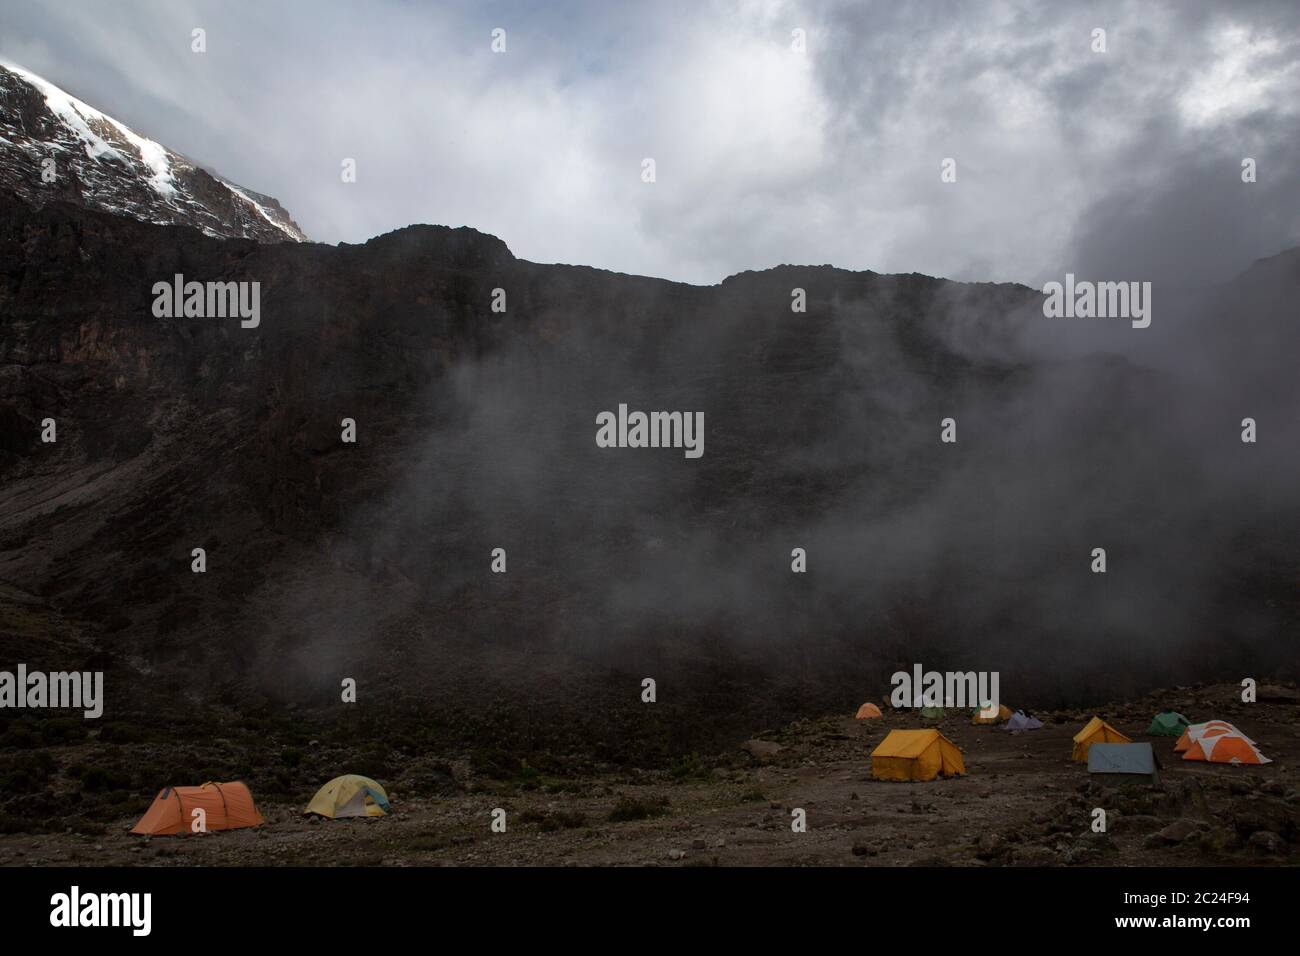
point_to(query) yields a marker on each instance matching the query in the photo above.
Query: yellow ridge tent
(1095, 731)
(915, 755)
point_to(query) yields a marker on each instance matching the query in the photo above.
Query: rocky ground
(1022, 802)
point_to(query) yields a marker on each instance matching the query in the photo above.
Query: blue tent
(1127, 760)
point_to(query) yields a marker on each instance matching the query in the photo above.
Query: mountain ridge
(476, 428)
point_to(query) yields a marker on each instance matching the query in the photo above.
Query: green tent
(933, 713)
(1168, 724)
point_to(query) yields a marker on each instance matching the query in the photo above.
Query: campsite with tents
(879, 786)
(567, 487)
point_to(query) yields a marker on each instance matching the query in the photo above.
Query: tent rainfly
(213, 806)
(1125, 760)
(349, 796)
(1022, 721)
(916, 755)
(1167, 723)
(991, 715)
(1223, 744)
(1095, 731)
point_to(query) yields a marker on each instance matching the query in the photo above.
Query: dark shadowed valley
(372, 561)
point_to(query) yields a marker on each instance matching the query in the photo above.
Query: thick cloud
(1068, 160)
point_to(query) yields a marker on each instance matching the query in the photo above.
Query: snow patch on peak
(282, 222)
(77, 115)
(104, 164)
(251, 201)
(155, 156)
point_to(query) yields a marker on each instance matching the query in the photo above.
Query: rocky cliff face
(54, 147)
(476, 430)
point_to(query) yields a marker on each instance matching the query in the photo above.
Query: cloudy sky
(1124, 164)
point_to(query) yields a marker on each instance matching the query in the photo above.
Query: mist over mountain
(476, 430)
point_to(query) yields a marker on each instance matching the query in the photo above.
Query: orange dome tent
(1223, 744)
(1212, 728)
(987, 715)
(225, 806)
(868, 711)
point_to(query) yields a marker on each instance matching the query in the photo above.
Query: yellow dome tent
(1095, 731)
(915, 755)
(349, 796)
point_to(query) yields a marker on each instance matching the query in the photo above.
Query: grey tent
(1127, 760)
(1022, 721)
